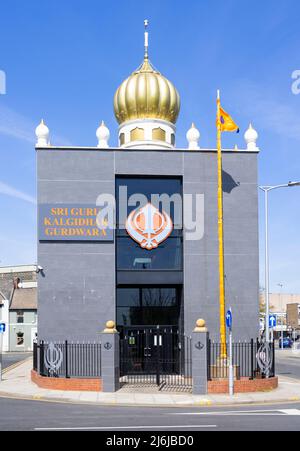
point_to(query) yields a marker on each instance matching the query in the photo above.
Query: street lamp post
(266, 190)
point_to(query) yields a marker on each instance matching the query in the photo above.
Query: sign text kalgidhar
(70, 222)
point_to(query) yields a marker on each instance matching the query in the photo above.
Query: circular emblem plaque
(148, 227)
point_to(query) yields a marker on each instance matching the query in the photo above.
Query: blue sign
(229, 319)
(272, 321)
(2, 328)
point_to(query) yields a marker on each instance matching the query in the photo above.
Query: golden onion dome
(146, 94)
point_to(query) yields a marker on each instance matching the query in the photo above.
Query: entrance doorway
(152, 347)
(146, 347)
(156, 355)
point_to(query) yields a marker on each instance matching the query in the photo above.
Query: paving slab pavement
(17, 384)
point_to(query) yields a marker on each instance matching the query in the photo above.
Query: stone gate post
(199, 358)
(110, 358)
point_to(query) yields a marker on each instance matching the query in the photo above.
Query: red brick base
(217, 386)
(221, 386)
(55, 383)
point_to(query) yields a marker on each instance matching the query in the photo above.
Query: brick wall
(221, 386)
(54, 383)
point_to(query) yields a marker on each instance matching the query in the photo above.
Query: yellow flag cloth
(227, 123)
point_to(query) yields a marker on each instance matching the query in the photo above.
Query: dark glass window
(128, 297)
(159, 297)
(20, 317)
(130, 255)
(147, 186)
(148, 306)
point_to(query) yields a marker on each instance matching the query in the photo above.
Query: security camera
(39, 269)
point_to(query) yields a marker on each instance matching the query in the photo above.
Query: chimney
(16, 283)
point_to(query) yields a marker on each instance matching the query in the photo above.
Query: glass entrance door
(148, 306)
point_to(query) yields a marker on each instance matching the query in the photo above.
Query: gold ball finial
(110, 327)
(200, 326)
(200, 323)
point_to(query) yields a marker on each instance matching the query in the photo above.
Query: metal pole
(221, 236)
(158, 357)
(267, 278)
(66, 357)
(251, 358)
(231, 376)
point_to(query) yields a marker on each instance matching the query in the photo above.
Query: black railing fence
(35, 356)
(245, 356)
(156, 356)
(67, 359)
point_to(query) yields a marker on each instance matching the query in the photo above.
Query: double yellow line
(15, 365)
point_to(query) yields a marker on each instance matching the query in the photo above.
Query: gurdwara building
(130, 233)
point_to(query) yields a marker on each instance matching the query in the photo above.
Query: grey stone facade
(76, 292)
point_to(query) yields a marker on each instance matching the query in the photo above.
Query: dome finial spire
(146, 24)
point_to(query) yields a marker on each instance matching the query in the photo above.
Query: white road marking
(293, 412)
(117, 428)
(244, 412)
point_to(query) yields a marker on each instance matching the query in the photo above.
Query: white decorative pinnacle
(146, 24)
(251, 137)
(103, 136)
(42, 133)
(193, 137)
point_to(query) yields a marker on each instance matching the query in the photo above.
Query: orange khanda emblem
(149, 227)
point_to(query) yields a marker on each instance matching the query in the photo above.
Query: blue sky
(64, 60)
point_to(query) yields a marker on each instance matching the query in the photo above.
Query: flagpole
(221, 236)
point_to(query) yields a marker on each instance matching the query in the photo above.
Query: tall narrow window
(158, 134)
(122, 139)
(20, 317)
(137, 134)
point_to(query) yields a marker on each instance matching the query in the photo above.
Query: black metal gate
(157, 355)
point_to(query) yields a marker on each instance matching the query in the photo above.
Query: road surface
(51, 416)
(288, 363)
(11, 358)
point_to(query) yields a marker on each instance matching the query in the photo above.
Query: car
(287, 342)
